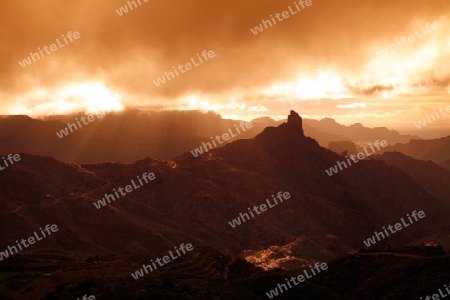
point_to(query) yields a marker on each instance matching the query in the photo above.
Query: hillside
(195, 198)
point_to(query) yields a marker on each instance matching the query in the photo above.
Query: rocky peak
(291, 129)
(295, 121)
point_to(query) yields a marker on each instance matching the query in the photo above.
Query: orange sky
(115, 61)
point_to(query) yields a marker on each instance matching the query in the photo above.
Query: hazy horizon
(317, 59)
(431, 131)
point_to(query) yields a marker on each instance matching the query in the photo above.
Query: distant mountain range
(356, 133)
(446, 164)
(194, 198)
(433, 177)
(132, 135)
(437, 150)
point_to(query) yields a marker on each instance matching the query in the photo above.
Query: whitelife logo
(285, 14)
(225, 136)
(188, 66)
(423, 123)
(438, 296)
(360, 155)
(124, 9)
(165, 260)
(398, 227)
(300, 278)
(411, 38)
(85, 297)
(27, 61)
(10, 158)
(31, 241)
(262, 207)
(128, 189)
(70, 126)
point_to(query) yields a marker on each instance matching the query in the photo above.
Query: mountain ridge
(213, 189)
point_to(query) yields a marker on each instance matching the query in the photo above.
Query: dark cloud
(131, 51)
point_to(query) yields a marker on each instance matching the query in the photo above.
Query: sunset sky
(114, 63)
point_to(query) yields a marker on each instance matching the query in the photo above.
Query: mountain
(437, 150)
(133, 134)
(428, 174)
(125, 137)
(357, 133)
(195, 198)
(328, 131)
(344, 146)
(446, 164)
(324, 138)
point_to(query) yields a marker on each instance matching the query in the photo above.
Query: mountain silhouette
(133, 134)
(433, 177)
(437, 150)
(194, 198)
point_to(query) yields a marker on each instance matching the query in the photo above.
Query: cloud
(127, 53)
(258, 107)
(351, 105)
